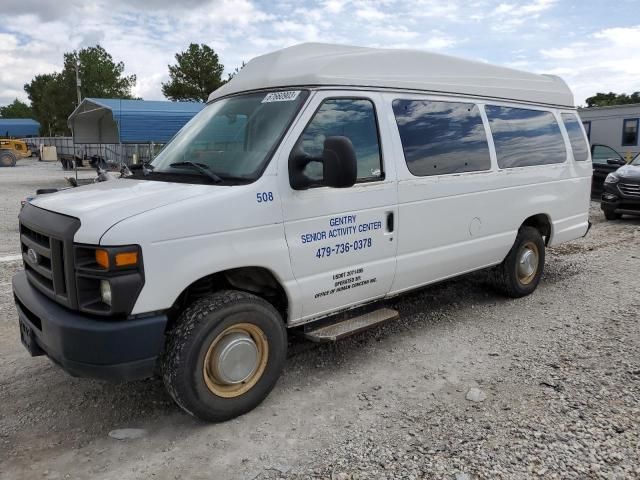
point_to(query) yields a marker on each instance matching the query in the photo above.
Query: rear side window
(441, 137)
(524, 137)
(576, 137)
(354, 118)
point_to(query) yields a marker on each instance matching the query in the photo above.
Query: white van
(320, 179)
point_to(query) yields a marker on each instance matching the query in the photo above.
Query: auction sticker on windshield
(288, 96)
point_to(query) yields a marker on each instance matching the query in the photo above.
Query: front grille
(46, 267)
(630, 189)
(46, 242)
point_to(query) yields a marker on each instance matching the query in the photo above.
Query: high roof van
(321, 180)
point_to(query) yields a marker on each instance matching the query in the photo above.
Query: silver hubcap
(528, 263)
(234, 359)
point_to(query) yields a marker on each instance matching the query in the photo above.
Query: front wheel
(224, 355)
(7, 159)
(520, 272)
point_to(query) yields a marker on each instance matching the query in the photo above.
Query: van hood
(99, 206)
(629, 172)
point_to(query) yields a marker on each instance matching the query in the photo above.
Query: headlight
(105, 292)
(612, 178)
(108, 279)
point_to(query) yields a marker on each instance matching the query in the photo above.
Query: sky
(593, 45)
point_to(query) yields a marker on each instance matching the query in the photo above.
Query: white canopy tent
(93, 122)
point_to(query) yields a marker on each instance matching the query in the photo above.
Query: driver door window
(602, 153)
(354, 118)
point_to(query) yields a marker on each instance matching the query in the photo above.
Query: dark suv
(621, 191)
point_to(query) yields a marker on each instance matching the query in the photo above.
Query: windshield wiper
(201, 167)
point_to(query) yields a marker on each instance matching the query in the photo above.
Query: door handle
(390, 222)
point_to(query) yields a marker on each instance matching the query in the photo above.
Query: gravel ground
(466, 385)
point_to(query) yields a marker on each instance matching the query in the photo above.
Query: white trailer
(615, 127)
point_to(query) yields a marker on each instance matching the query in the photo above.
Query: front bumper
(83, 346)
(613, 200)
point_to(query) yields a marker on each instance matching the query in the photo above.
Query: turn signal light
(102, 258)
(126, 259)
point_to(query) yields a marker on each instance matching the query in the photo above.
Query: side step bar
(336, 331)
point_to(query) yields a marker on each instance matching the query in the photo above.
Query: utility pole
(78, 82)
(78, 85)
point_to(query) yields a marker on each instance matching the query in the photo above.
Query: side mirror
(338, 160)
(616, 161)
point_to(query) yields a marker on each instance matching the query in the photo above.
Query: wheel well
(257, 280)
(542, 223)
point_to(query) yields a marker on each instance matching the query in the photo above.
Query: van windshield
(233, 138)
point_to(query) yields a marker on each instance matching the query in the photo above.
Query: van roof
(318, 64)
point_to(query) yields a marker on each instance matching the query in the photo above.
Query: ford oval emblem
(33, 256)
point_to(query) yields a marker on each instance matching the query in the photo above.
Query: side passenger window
(576, 137)
(441, 137)
(524, 137)
(349, 117)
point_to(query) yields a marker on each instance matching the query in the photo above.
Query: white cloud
(508, 17)
(536, 6)
(8, 43)
(395, 33)
(608, 61)
(562, 53)
(439, 43)
(503, 8)
(334, 6)
(621, 37)
(145, 39)
(522, 9)
(303, 32)
(368, 12)
(450, 10)
(539, 35)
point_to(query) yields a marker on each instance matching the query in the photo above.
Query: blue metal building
(19, 127)
(103, 120)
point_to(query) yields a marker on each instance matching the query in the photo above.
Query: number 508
(262, 197)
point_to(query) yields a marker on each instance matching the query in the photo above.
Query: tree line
(610, 99)
(53, 97)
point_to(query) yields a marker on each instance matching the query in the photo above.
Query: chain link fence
(112, 153)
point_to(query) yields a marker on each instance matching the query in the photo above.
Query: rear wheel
(611, 215)
(7, 159)
(520, 272)
(225, 355)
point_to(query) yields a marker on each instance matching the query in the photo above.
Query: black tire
(505, 277)
(611, 215)
(201, 323)
(7, 159)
